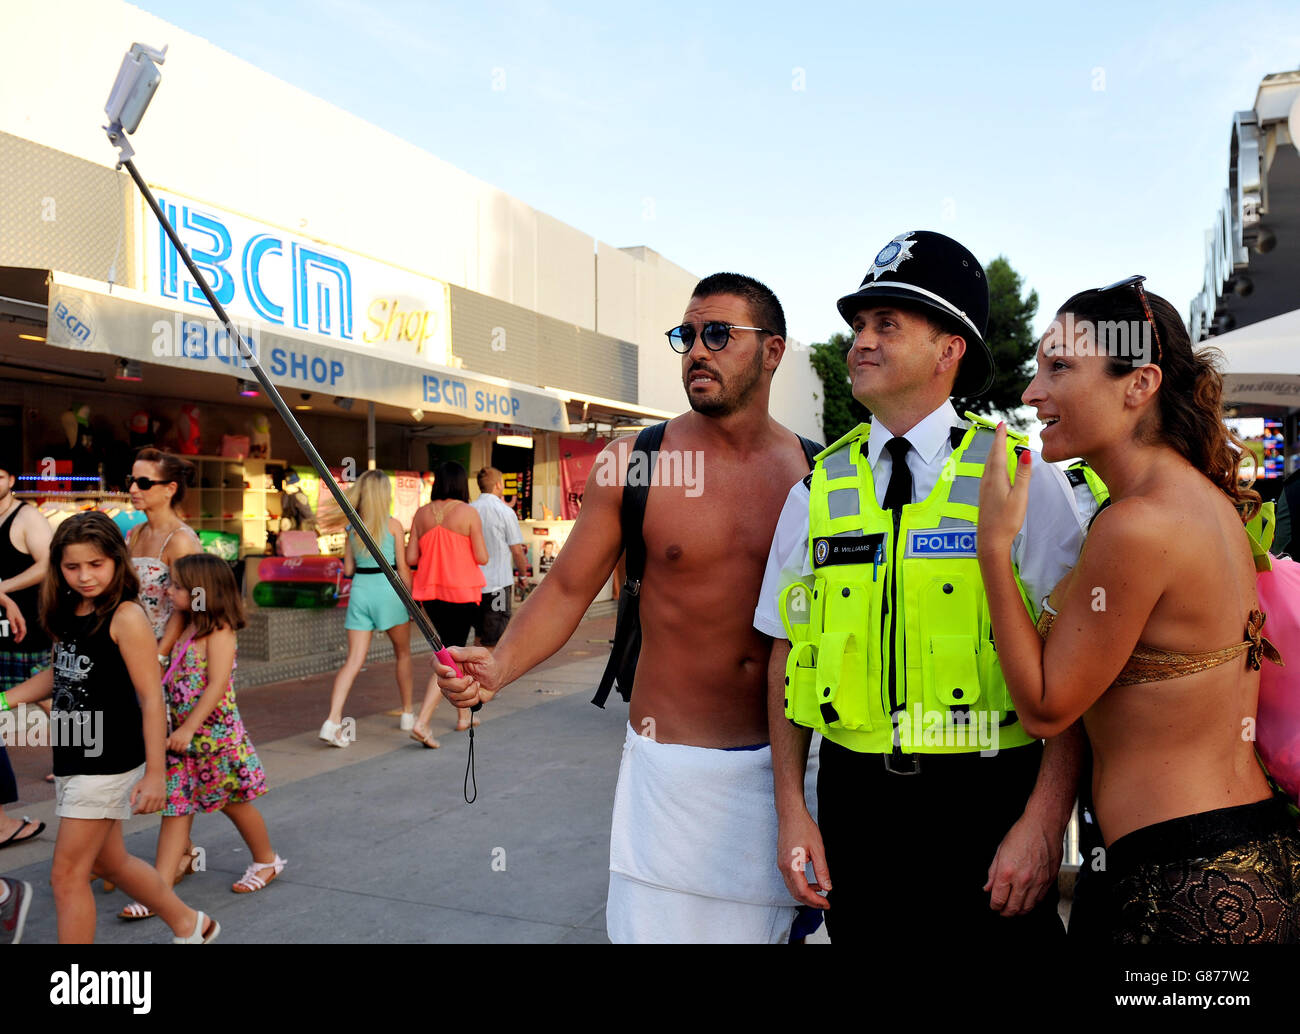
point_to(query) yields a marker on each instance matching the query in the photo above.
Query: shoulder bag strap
(810, 450)
(634, 504)
(627, 631)
(179, 654)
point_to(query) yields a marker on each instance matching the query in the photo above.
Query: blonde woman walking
(374, 605)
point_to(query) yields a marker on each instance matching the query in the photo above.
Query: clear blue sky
(1084, 141)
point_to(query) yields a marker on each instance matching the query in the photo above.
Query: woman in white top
(157, 487)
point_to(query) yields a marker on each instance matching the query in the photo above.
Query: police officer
(939, 815)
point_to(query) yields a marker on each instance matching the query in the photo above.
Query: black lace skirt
(1230, 876)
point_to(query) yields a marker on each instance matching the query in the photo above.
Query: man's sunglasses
(1135, 282)
(144, 484)
(715, 336)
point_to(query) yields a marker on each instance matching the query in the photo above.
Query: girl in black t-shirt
(107, 727)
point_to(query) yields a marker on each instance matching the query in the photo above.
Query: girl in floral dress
(212, 765)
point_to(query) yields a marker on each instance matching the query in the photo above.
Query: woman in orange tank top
(445, 550)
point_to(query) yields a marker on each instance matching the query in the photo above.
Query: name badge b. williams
(953, 542)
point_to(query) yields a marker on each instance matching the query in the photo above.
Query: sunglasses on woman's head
(715, 336)
(1135, 282)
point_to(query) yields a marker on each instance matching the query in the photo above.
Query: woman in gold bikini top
(1148, 665)
(1181, 801)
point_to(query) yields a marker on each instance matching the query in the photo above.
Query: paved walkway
(380, 843)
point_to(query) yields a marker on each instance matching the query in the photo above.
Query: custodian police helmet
(926, 270)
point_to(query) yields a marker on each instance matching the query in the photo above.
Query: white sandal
(332, 734)
(251, 882)
(135, 911)
(197, 936)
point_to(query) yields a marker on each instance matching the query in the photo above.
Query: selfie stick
(136, 82)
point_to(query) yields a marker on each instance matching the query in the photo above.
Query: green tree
(1010, 337)
(841, 412)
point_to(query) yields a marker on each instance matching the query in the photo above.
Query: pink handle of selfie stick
(444, 655)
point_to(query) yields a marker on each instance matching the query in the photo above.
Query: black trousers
(909, 854)
(8, 784)
(452, 620)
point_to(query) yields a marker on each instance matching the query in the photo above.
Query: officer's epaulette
(983, 421)
(807, 481)
(1075, 476)
(861, 431)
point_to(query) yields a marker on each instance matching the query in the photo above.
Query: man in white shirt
(923, 839)
(504, 543)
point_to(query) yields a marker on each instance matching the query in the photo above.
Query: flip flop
(16, 839)
(425, 739)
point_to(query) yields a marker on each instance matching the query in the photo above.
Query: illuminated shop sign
(263, 273)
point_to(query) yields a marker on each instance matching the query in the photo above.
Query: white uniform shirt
(1045, 548)
(500, 532)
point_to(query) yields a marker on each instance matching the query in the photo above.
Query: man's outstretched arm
(552, 611)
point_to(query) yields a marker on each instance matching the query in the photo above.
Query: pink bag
(297, 543)
(1277, 727)
(234, 446)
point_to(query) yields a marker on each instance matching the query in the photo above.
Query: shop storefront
(93, 371)
(1248, 304)
(407, 311)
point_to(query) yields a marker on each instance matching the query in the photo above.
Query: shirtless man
(692, 867)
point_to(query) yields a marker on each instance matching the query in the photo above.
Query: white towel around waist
(697, 819)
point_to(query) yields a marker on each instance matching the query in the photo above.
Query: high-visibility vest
(1083, 477)
(892, 650)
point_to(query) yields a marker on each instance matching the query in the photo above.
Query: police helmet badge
(892, 255)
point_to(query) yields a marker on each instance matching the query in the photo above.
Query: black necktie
(899, 491)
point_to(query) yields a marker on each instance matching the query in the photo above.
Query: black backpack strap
(626, 648)
(810, 450)
(635, 497)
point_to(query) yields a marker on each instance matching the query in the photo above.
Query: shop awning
(593, 408)
(1263, 362)
(85, 315)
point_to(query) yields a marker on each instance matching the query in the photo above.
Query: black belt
(367, 570)
(898, 763)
